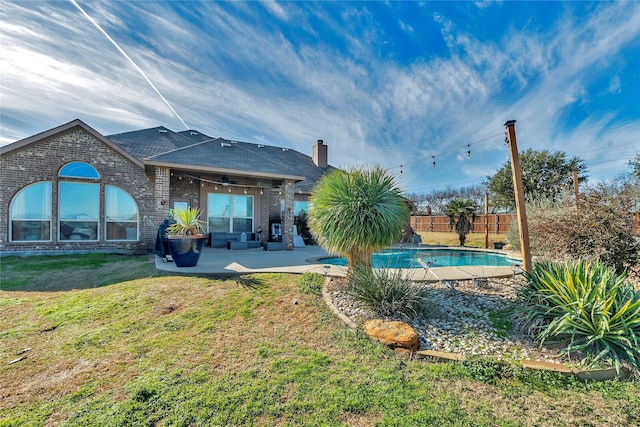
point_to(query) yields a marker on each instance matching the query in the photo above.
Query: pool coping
(308, 259)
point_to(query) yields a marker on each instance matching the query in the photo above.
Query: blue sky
(389, 83)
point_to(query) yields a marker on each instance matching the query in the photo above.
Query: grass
(249, 350)
(475, 240)
(63, 272)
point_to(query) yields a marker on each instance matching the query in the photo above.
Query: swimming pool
(434, 257)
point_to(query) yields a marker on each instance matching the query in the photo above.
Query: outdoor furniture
(236, 246)
(223, 240)
(273, 246)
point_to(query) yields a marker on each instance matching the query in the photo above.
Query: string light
(226, 184)
(468, 146)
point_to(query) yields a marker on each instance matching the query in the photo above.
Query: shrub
(387, 292)
(310, 283)
(585, 306)
(601, 229)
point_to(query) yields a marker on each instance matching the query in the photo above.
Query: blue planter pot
(186, 251)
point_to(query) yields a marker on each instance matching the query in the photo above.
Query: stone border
(588, 375)
(327, 300)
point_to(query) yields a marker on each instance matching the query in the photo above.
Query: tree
(356, 212)
(545, 174)
(602, 229)
(461, 213)
(435, 201)
(635, 166)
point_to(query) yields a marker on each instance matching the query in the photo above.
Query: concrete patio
(308, 258)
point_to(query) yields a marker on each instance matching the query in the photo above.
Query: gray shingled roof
(147, 143)
(195, 135)
(194, 149)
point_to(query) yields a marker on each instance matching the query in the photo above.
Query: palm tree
(356, 212)
(461, 213)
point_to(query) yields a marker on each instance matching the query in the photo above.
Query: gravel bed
(457, 318)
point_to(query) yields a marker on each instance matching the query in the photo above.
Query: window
(121, 214)
(242, 214)
(229, 213)
(30, 213)
(30, 210)
(78, 211)
(299, 207)
(79, 170)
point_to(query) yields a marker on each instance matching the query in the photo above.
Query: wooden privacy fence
(498, 223)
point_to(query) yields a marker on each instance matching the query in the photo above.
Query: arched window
(121, 214)
(30, 213)
(79, 170)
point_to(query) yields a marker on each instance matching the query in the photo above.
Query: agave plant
(585, 306)
(187, 223)
(356, 212)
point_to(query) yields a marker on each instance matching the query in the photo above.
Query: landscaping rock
(393, 333)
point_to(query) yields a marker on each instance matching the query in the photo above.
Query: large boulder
(393, 333)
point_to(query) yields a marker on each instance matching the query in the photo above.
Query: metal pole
(521, 211)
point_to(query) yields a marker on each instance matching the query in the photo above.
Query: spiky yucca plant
(586, 307)
(187, 223)
(356, 212)
(387, 292)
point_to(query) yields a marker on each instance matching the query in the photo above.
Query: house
(73, 189)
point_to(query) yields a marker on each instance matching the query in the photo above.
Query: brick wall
(41, 161)
(185, 188)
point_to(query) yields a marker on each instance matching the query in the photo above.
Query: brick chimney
(320, 157)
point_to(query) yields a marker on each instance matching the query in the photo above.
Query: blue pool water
(444, 257)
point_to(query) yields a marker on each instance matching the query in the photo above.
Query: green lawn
(451, 239)
(151, 349)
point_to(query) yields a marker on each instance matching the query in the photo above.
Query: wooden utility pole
(575, 189)
(525, 249)
(486, 220)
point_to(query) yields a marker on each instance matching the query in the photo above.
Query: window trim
(107, 221)
(97, 221)
(231, 216)
(49, 220)
(66, 165)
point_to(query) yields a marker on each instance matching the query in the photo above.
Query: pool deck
(308, 258)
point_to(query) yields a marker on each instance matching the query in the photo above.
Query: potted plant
(185, 237)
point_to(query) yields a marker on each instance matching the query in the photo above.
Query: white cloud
(405, 27)
(615, 85)
(227, 75)
(274, 8)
